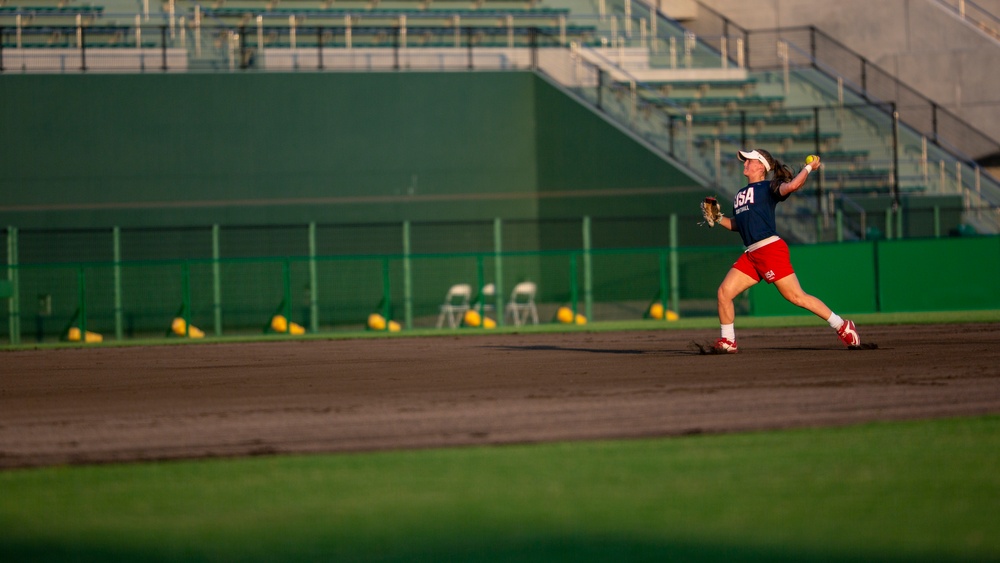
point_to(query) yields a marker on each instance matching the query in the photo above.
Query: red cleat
(848, 334)
(725, 346)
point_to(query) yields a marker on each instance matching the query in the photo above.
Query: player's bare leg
(735, 283)
(791, 290)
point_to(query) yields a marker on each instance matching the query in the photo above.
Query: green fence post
(663, 282)
(840, 225)
(480, 282)
(116, 235)
(937, 221)
(572, 282)
(186, 297)
(288, 293)
(81, 286)
(888, 224)
(899, 222)
(13, 278)
(878, 281)
(588, 280)
(216, 281)
(313, 281)
(498, 267)
(675, 292)
(386, 294)
(407, 278)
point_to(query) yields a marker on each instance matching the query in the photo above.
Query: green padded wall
(939, 274)
(947, 274)
(841, 275)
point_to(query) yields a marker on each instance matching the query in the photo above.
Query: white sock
(729, 332)
(835, 321)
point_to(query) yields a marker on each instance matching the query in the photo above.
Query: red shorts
(770, 262)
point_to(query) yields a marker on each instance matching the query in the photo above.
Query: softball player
(766, 256)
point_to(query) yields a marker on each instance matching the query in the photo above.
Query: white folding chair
(456, 303)
(487, 299)
(521, 306)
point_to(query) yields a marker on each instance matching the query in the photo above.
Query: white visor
(754, 155)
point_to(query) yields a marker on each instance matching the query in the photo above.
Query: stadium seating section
(711, 115)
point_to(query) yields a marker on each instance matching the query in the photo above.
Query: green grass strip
(933, 317)
(912, 491)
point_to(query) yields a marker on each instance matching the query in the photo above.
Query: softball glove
(711, 211)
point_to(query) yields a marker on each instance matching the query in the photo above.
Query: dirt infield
(168, 402)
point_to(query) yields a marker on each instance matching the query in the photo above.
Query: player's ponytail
(782, 173)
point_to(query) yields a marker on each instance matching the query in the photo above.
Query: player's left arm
(713, 215)
(799, 180)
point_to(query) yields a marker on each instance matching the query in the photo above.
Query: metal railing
(819, 49)
(927, 133)
(158, 48)
(976, 15)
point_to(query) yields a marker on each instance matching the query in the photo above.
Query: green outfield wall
(239, 295)
(842, 275)
(925, 275)
(945, 274)
(335, 274)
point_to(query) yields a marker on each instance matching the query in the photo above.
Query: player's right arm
(799, 179)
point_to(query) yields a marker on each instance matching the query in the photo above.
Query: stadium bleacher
(686, 92)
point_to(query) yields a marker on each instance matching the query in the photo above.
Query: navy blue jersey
(753, 211)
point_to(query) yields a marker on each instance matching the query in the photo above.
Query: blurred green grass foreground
(905, 491)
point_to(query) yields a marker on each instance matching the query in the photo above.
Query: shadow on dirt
(549, 348)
